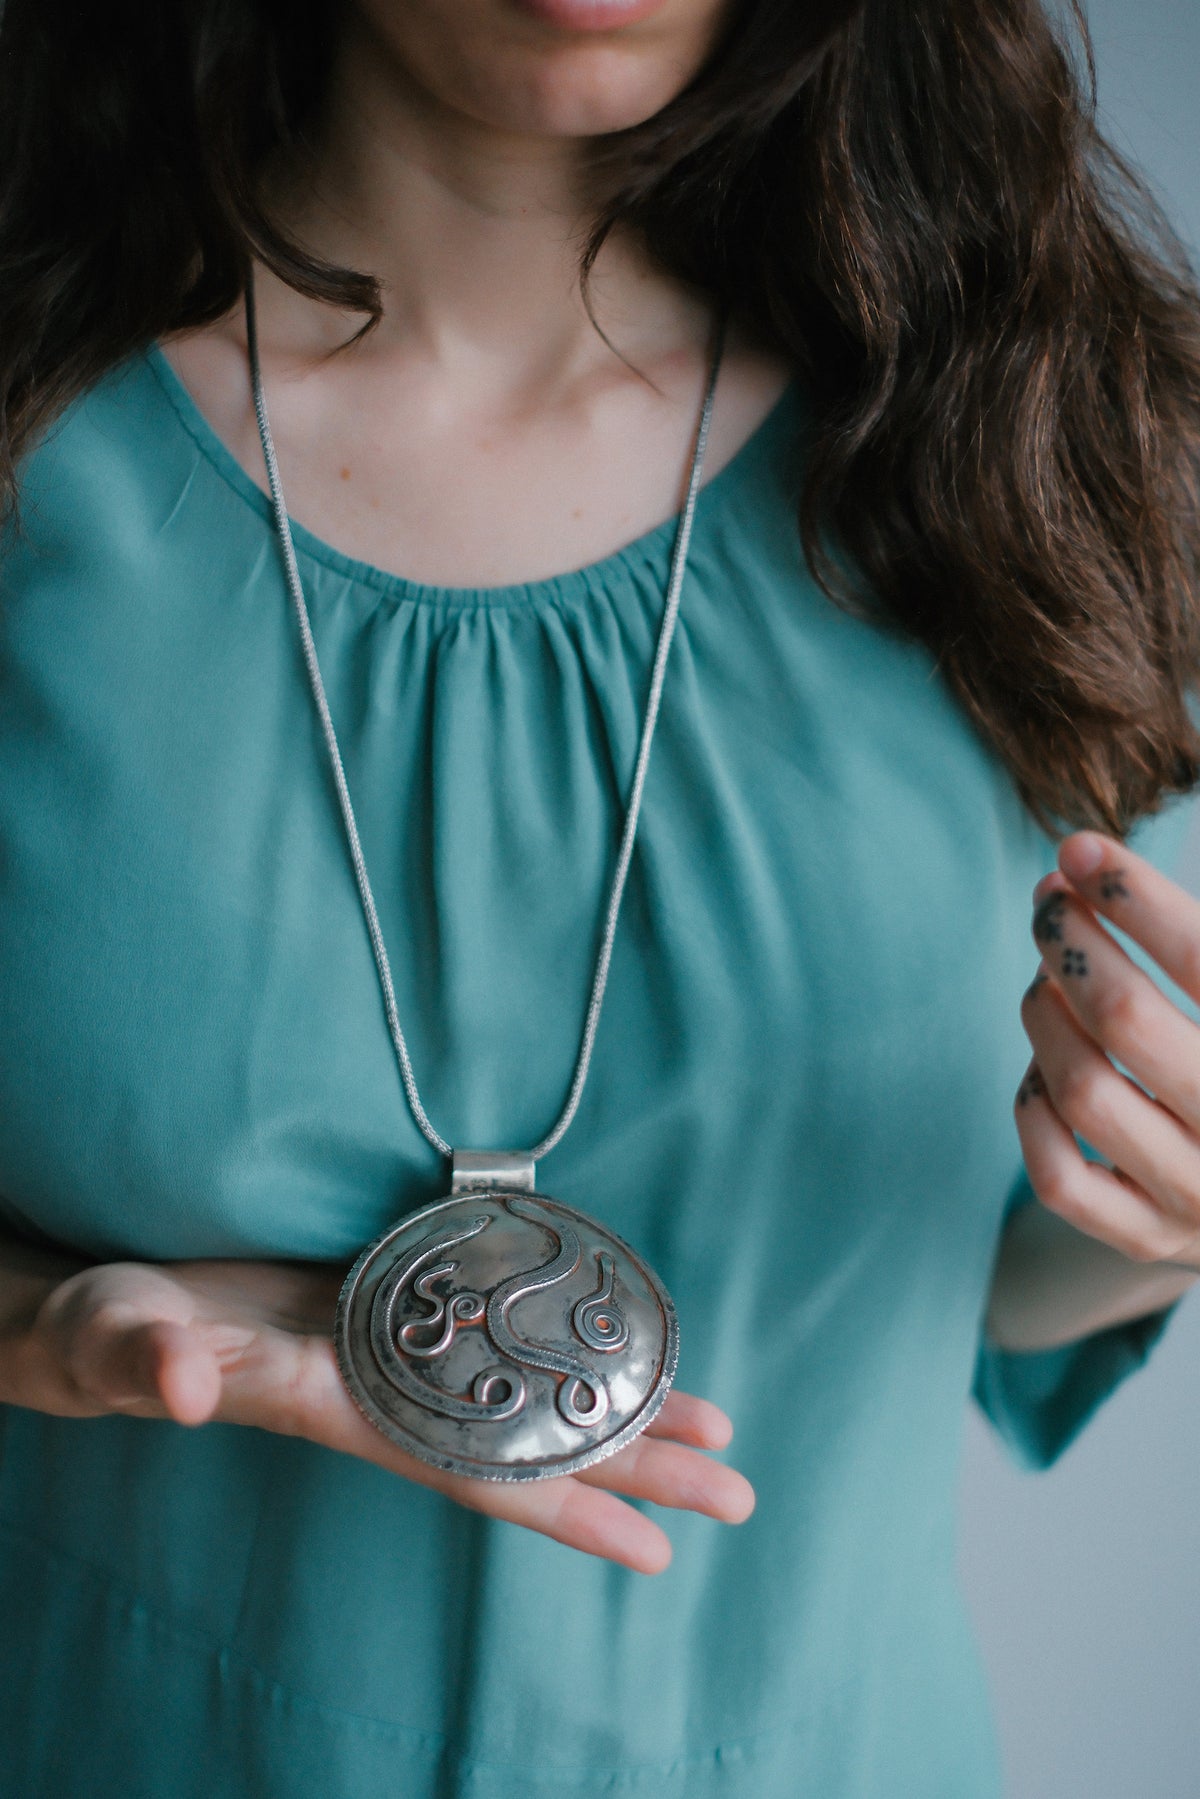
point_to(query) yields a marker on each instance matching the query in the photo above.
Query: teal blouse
(798, 1110)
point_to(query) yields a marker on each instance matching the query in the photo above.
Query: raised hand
(1090, 1007)
(251, 1343)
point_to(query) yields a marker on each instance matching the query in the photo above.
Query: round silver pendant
(502, 1334)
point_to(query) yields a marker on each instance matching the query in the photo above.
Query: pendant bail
(471, 1169)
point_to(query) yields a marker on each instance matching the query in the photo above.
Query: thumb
(157, 1365)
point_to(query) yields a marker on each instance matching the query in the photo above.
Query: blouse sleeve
(1039, 1400)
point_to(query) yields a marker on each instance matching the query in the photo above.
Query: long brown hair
(998, 333)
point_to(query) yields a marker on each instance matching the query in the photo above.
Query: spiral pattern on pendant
(498, 1392)
(596, 1320)
(579, 1378)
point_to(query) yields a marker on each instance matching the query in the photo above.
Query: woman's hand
(251, 1343)
(1089, 1008)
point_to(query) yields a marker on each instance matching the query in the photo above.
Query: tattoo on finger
(1032, 1087)
(1074, 962)
(1112, 884)
(1049, 918)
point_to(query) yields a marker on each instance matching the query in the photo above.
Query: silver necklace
(498, 1332)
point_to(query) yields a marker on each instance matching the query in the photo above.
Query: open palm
(251, 1343)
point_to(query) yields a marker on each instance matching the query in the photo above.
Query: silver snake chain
(683, 535)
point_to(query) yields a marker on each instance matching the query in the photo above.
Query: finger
(1097, 1101)
(686, 1419)
(672, 1475)
(582, 1517)
(1118, 1004)
(185, 1372)
(153, 1366)
(291, 1384)
(1096, 1200)
(1152, 909)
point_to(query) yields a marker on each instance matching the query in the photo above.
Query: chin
(548, 68)
(581, 93)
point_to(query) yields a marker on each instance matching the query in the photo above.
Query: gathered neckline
(649, 551)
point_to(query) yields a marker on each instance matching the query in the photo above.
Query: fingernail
(1081, 854)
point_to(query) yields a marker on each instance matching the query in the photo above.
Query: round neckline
(649, 550)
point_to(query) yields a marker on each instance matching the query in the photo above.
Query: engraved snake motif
(506, 1382)
(579, 1378)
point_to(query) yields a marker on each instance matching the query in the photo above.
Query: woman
(489, 243)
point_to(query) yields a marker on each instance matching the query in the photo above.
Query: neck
(474, 235)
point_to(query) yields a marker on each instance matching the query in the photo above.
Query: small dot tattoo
(1074, 961)
(1039, 980)
(1048, 919)
(1032, 1087)
(1112, 884)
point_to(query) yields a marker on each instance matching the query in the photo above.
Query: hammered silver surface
(504, 1335)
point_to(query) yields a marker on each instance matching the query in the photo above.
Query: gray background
(1084, 1582)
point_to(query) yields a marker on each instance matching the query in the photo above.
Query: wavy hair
(998, 333)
